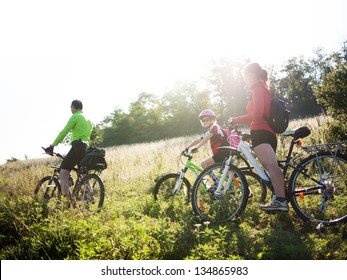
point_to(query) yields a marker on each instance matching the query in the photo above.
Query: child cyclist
(215, 134)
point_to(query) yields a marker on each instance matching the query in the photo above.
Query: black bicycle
(87, 193)
(316, 187)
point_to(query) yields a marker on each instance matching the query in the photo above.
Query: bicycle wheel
(47, 188)
(256, 186)
(241, 162)
(224, 206)
(164, 189)
(89, 193)
(318, 188)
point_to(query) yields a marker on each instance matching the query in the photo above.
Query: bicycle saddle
(297, 133)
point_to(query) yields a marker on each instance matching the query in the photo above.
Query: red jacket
(257, 107)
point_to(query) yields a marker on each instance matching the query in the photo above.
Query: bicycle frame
(196, 169)
(246, 149)
(192, 167)
(221, 190)
(79, 173)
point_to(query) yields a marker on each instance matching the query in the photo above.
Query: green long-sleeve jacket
(80, 127)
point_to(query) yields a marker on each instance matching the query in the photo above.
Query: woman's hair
(259, 73)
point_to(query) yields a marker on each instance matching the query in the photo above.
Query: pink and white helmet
(207, 113)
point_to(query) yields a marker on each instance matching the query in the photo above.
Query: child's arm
(204, 140)
(195, 142)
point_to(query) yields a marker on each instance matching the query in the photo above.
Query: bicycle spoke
(327, 199)
(257, 188)
(170, 186)
(89, 194)
(222, 206)
(47, 188)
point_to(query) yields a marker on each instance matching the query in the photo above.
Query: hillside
(132, 225)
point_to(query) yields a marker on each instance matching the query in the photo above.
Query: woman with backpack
(264, 140)
(215, 134)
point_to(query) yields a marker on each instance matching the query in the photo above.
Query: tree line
(309, 86)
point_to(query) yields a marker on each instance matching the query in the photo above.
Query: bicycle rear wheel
(241, 162)
(224, 206)
(89, 193)
(164, 189)
(318, 189)
(47, 188)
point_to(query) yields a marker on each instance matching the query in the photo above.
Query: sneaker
(208, 186)
(275, 205)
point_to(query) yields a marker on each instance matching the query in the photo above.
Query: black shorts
(221, 155)
(74, 156)
(263, 137)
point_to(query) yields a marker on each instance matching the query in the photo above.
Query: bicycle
(88, 192)
(173, 184)
(316, 188)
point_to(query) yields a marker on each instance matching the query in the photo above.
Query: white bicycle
(316, 188)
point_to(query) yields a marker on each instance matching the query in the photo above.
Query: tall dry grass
(132, 225)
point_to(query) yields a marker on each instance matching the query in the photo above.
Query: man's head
(77, 104)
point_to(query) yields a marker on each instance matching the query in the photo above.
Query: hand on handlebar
(195, 150)
(232, 124)
(49, 150)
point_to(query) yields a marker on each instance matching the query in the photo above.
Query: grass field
(132, 225)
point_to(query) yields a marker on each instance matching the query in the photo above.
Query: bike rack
(332, 148)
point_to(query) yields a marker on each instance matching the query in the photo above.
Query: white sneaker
(275, 205)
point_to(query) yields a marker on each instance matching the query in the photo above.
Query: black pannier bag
(94, 158)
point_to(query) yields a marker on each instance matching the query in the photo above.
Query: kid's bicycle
(316, 188)
(87, 193)
(177, 184)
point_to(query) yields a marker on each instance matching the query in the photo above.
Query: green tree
(115, 128)
(296, 86)
(181, 106)
(97, 135)
(332, 93)
(145, 119)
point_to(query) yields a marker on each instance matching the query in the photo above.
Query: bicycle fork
(179, 181)
(221, 190)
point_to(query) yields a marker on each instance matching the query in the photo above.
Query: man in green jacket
(81, 129)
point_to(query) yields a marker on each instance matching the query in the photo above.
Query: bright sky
(107, 52)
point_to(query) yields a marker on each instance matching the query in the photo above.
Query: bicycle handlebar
(187, 153)
(244, 136)
(54, 154)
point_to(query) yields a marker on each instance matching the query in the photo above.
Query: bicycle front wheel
(89, 193)
(318, 188)
(169, 186)
(48, 187)
(219, 207)
(256, 186)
